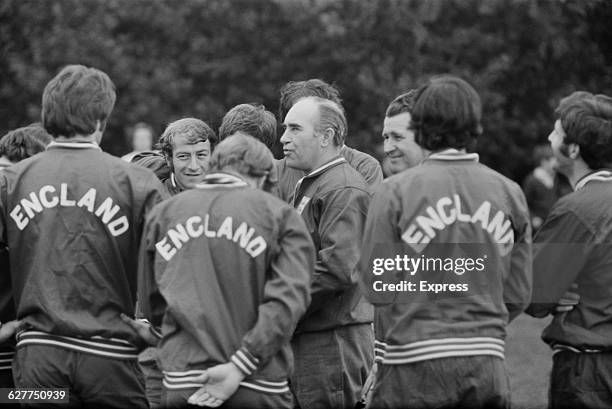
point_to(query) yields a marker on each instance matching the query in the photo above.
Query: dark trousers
(331, 366)
(93, 381)
(581, 380)
(153, 376)
(243, 398)
(457, 382)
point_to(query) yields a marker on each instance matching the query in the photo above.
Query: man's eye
(203, 155)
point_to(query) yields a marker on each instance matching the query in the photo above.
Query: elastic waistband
(556, 347)
(6, 358)
(437, 348)
(188, 380)
(106, 347)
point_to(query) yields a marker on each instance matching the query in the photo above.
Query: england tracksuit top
(574, 245)
(72, 218)
(449, 198)
(226, 271)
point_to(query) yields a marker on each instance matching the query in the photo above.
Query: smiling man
(333, 341)
(399, 145)
(186, 145)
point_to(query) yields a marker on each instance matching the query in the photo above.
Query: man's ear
(169, 162)
(327, 137)
(573, 151)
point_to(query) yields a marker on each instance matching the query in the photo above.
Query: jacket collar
(453, 155)
(221, 179)
(74, 145)
(603, 175)
(334, 162)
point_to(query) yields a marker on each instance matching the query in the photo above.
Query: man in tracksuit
(441, 327)
(332, 343)
(72, 218)
(288, 176)
(574, 246)
(226, 271)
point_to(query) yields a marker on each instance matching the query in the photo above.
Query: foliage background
(174, 58)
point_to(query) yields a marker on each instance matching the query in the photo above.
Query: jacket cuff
(246, 362)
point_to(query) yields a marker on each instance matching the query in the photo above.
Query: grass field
(528, 361)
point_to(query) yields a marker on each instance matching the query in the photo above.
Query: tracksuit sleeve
(561, 250)
(151, 304)
(338, 238)
(379, 237)
(7, 310)
(286, 295)
(518, 284)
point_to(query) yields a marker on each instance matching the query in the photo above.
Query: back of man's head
(75, 100)
(293, 91)
(402, 103)
(193, 129)
(251, 119)
(243, 154)
(21, 143)
(447, 114)
(587, 122)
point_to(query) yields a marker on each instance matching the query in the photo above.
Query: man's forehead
(305, 110)
(397, 121)
(183, 143)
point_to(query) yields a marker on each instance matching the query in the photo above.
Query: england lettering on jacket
(194, 227)
(48, 197)
(448, 211)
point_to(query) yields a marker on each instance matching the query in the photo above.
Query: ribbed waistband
(6, 358)
(188, 380)
(437, 348)
(106, 347)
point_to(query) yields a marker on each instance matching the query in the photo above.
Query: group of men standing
(251, 279)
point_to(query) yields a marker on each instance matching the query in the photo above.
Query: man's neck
(578, 171)
(325, 158)
(78, 139)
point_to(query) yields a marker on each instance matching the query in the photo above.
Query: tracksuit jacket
(333, 201)
(225, 270)
(574, 245)
(72, 219)
(366, 165)
(449, 198)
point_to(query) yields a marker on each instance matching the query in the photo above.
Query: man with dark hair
(15, 146)
(229, 293)
(288, 177)
(252, 119)
(186, 145)
(574, 245)
(333, 341)
(432, 320)
(399, 145)
(22, 143)
(72, 218)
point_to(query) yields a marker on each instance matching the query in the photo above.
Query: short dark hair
(292, 91)
(246, 155)
(251, 119)
(447, 113)
(402, 103)
(21, 143)
(587, 122)
(75, 99)
(194, 129)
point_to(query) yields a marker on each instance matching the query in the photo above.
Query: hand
(568, 300)
(220, 383)
(142, 328)
(9, 329)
